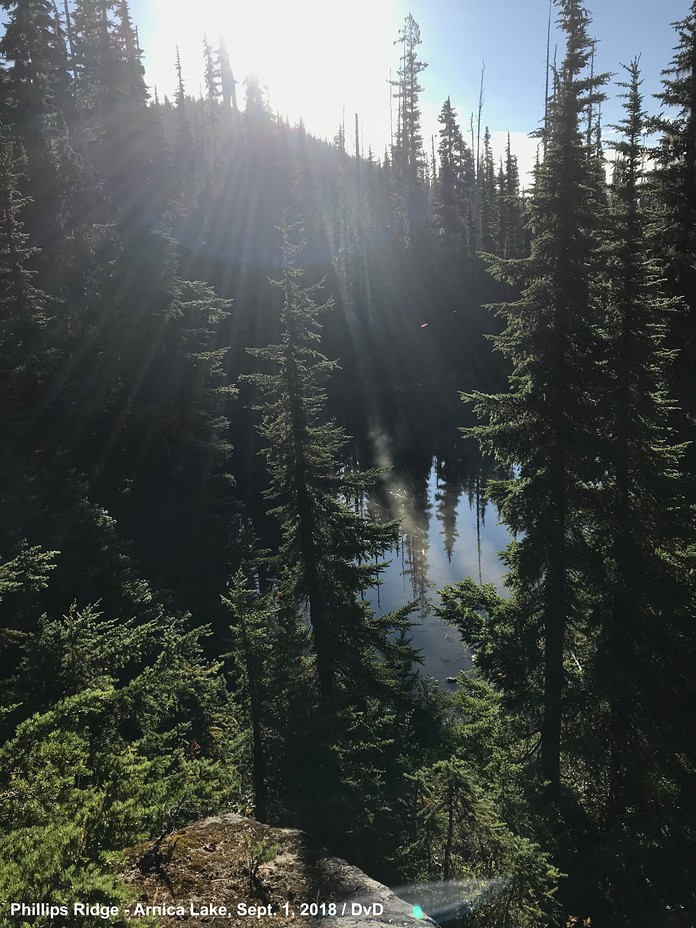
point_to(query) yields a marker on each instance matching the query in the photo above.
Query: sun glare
(316, 57)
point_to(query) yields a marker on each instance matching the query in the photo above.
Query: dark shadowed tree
(545, 425)
(330, 551)
(408, 156)
(646, 649)
(676, 185)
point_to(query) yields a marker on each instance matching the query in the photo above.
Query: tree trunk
(447, 864)
(555, 618)
(258, 759)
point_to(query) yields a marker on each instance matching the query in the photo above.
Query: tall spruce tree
(112, 98)
(24, 357)
(131, 55)
(212, 71)
(265, 639)
(511, 231)
(489, 199)
(38, 81)
(328, 556)
(646, 504)
(545, 425)
(454, 187)
(98, 61)
(645, 653)
(676, 181)
(228, 85)
(408, 156)
(37, 105)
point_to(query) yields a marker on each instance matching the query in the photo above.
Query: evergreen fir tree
(228, 85)
(454, 188)
(408, 156)
(546, 424)
(37, 104)
(24, 357)
(107, 60)
(185, 130)
(327, 558)
(279, 706)
(257, 117)
(646, 648)
(131, 55)
(252, 617)
(119, 134)
(511, 231)
(38, 82)
(212, 71)
(129, 723)
(509, 879)
(488, 193)
(676, 180)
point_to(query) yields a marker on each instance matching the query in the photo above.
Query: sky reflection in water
(442, 542)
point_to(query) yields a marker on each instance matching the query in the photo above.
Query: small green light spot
(418, 912)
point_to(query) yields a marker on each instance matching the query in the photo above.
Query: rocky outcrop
(232, 871)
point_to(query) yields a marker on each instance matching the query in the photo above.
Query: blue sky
(321, 55)
(511, 38)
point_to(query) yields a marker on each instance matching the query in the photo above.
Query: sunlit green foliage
(131, 723)
(509, 880)
(127, 224)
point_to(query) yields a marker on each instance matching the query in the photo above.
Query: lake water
(432, 482)
(448, 533)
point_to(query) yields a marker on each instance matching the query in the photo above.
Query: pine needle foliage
(502, 877)
(24, 308)
(675, 188)
(643, 667)
(544, 426)
(331, 553)
(113, 724)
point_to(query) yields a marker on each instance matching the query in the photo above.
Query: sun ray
(316, 58)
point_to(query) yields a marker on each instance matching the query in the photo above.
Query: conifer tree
(228, 85)
(546, 423)
(265, 639)
(210, 118)
(131, 55)
(327, 558)
(114, 725)
(37, 105)
(454, 188)
(510, 881)
(257, 117)
(118, 133)
(38, 83)
(212, 71)
(408, 156)
(511, 231)
(488, 194)
(181, 104)
(109, 74)
(252, 617)
(646, 647)
(676, 185)
(24, 359)
(644, 490)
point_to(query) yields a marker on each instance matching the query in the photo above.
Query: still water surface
(432, 483)
(448, 533)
